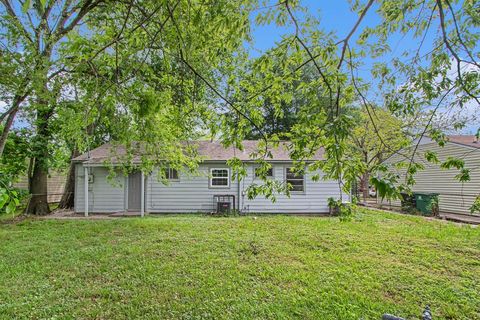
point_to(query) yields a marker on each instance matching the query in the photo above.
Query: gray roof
(207, 150)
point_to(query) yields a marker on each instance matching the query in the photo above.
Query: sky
(336, 16)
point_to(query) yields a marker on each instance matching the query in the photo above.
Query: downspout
(142, 194)
(85, 180)
(238, 192)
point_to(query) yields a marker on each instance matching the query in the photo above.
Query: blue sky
(336, 16)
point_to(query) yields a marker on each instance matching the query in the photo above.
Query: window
(296, 180)
(269, 172)
(171, 174)
(219, 178)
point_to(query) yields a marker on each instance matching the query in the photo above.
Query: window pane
(297, 188)
(219, 177)
(295, 180)
(219, 182)
(269, 172)
(171, 174)
(219, 173)
(292, 175)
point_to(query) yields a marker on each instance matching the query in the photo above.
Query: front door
(134, 190)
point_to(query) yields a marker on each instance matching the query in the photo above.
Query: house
(454, 196)
(201, 192)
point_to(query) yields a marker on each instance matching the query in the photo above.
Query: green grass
(276, 267)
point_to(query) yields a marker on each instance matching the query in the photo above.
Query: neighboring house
(195, 193)
(454, 196)
(55, 185)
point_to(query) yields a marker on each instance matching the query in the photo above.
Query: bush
(345, 211)
(475, 208)
(9, 199)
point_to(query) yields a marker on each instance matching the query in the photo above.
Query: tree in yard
(125, 71)
(366, 146)
(148, 81)
(279, 116)
(174, 70)
(438, 71)
(31, 34)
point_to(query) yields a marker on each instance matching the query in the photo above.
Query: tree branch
(350, 34)
(15, 18)
(453, 52)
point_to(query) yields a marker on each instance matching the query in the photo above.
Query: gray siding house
(142, 192)
(454, 196)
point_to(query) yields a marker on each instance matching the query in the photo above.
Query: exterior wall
(455, 197)
(56, 185)
(193, 194)
(188, 194)
(104, 195)
(312, 200)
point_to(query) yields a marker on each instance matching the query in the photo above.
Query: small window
(295, 180)
(171, 174)
(219, 178)
(269, 172)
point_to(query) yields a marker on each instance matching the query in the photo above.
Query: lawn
(276, 267)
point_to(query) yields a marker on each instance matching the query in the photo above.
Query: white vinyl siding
(455, 197)
(312, 200)
(103, 195)
(191, 193)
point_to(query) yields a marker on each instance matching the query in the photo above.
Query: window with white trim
(171, 174)
(219, 178)
(268, 175)
(295, 180)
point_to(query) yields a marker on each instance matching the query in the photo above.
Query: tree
(280, 117)
(366, 145)
(138, 70)
(174, 70)
(33, 33)
(148, 82)
(416, 80)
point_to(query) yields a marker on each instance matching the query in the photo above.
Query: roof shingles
(467, 140)
(207, 150)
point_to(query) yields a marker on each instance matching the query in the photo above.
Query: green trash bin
(426, 203)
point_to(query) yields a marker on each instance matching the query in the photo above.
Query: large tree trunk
(38, 203)
(68, 196)
(365, 183)
(38, 186)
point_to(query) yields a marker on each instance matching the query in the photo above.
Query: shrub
(345, 211)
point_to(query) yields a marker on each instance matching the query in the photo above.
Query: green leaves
(26, 6)
(431, 157)
(475, 208)
(453, 162)
(386, 186)
(9, 198)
